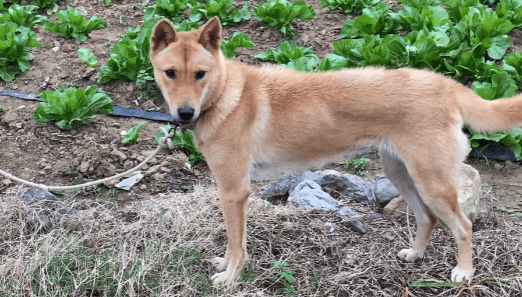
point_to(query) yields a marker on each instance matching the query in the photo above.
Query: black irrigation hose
(493, 151)
(118, 111)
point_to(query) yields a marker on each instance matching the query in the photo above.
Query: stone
(32, 196)
(308, 194)
(384, 190)
(119, 155)
(469, 189)
(6, 182)
(106, 169)
(352, 185)
(84, 167)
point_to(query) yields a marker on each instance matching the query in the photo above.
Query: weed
(317, 274)
(188, 188)
(286, 275)
(147, 85)
(358, 164)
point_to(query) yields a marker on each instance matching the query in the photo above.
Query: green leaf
(87, 55)
(132, 135)
(513, 66)
(373, 21)
(74, 25)
(238, 40)
(287, 52)
(72, 106)
(23, 16)
(501, 86)
(15, 44)
(348, 6)
(281, 13)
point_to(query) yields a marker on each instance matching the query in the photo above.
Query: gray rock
(33, 196)
(384, 190)
(354, 186)
(40, 201)
(308, 194)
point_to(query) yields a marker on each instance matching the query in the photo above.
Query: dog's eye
(170, 73)
(200, 74)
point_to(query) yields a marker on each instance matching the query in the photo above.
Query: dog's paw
(219, 263)
(409, 255)
(222, 278)
(460, 275)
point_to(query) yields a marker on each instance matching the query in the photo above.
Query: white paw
(409, 255)
(460, 275)
(220, 278)
(219, 263)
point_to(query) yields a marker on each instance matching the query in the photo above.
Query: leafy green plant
(45, 3)
(1, 109)
(281, 272)
(348, 6)
(511, 10)
(15, 44)
(424, 17)
(147, 85)
(129, 56)
(238, 40)
(132, 135)
(281, 13)
(513, 66)
(108, 3)
(287, 53)
(74, 25)
(221, 9)
(70, 107)
(502, 85)
(184, 142)
(87, 55)
(373, 21)
(23, 16)
(167, 8)
(358, 164)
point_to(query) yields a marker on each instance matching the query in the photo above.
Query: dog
(246, 118)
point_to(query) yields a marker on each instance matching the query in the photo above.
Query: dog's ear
(210, 36)
(162, 35)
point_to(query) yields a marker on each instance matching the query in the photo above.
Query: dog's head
(187, 67)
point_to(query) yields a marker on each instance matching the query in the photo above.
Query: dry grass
(160, 247)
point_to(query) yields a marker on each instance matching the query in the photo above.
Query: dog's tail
(491, 116)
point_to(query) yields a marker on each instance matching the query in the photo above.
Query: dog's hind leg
(398, 174)
(433, 166)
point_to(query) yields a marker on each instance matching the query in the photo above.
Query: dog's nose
(186, 113)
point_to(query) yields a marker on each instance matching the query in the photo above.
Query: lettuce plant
(513, 66)
(87, 55)
(74, 25)
(166, 8)
(238, 40)
(45, 3)
(373, 21)
(24, 16)
(348, 6)
(281, 13)
(132, 135)
(70, 107)
(287, 53)
(511, 10)
(221, 9)
(15, 44)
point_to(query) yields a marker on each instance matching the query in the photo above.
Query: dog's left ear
(210, 36)
(162, 35)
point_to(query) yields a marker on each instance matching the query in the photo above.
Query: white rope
(165, 142)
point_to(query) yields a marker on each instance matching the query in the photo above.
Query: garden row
(466, 40)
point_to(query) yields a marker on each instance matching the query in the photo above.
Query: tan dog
(247, 118)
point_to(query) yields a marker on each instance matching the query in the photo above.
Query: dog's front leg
(234, 206)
